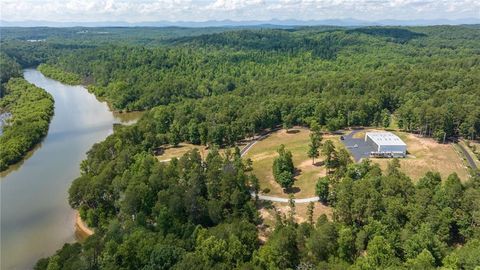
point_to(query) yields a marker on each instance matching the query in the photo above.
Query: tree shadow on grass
(178, 146)
(265, 204)
(337, 132)
(319, 163)
(291, 190)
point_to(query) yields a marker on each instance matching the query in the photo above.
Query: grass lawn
(359, 135)
(425, 154)
(393, 123)
(264, 152)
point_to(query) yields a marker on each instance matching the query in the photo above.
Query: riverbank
(31, 109)
(82, 231)
(59, 75)
(38, 219)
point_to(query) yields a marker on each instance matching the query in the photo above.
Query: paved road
(284, 200)
(250, 144)
(272, 198)
(467, 155)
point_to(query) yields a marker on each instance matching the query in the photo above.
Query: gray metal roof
(384, 138)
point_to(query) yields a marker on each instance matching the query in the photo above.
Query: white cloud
(230, 5)
(200, 10)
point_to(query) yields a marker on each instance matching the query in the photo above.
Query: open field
(296, 141)
(425, 154)
(267, 212)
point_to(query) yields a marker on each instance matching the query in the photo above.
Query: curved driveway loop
(272, 198)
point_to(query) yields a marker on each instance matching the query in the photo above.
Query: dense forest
(218, 86)
(60, 75)
(8, 69)
(31, 109)
(194, 213)
(427, 77)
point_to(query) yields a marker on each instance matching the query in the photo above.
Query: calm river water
(35, 216)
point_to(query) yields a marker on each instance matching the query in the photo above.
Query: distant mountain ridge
(231, 23)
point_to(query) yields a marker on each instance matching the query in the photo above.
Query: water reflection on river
(3, 119)
(35, 216)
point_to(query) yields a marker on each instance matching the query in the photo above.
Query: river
(36, 219)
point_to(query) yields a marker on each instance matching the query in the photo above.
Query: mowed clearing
(180, 150)
(265, 151)
(425, 154)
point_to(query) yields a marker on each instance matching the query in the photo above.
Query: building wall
(392, 148)
(371, 142)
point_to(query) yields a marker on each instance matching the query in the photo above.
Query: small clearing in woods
(268, 212)
(182, 148)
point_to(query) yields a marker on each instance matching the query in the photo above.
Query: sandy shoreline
(82, 231)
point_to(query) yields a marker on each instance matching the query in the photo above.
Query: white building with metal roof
(386, 144)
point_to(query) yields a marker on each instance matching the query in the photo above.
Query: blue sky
(238, 10)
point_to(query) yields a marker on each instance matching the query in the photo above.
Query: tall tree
(322, 189)
(287, 120)
(379, 255)
(313, 147)
(283, 169)
(310, 208)
(328, 150)
(315, 141)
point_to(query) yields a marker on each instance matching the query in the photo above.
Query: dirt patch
(180, 150)
(183, 148)
(82, 231)
(307, 164)
(269, 210)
